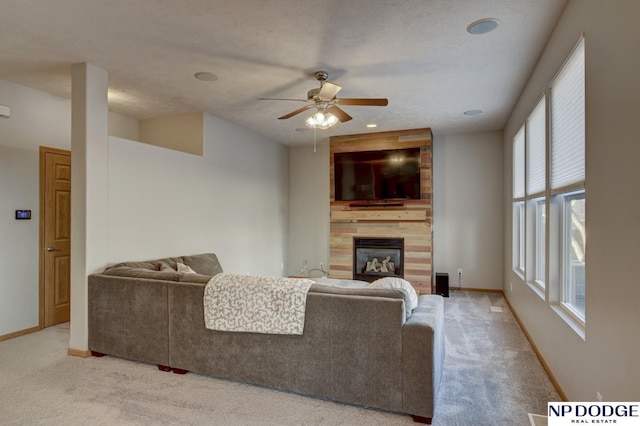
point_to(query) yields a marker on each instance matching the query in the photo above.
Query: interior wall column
(89, 158)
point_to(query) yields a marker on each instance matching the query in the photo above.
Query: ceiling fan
(324, 100)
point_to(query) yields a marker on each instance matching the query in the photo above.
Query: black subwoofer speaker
(442, 284)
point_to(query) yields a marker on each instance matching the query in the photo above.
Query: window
(518, 236)
(567, 163)
(549, 194)
(529, 185)
(536, 149)
(518, 203)
(518, 165)
(568, 123)
(536, 145)
(540, 241)
(573, 253)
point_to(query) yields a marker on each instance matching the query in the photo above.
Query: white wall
(122, 126)
(309, 208)
(18, 239)
(606, 361)
(232, 202)
(467, 214)
(36, 119)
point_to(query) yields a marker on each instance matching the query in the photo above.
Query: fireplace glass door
(375, 258)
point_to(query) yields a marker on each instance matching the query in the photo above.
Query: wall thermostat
(23, 214)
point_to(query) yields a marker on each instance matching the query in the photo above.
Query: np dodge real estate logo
(593, 413)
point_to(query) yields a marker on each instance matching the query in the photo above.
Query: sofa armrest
(128, 317)
(106, 315)
(186, 325)
(423, 356)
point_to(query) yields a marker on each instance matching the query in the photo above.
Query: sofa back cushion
(150, 265)
(206, 264)
(169, 263)
(195, 278)
(393, 293)
(126, 271)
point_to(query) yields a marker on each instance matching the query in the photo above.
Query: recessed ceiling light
(372, 125)
(482, 26)
(205, 76)
(473, 112)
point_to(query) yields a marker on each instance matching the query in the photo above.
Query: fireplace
(375, 258)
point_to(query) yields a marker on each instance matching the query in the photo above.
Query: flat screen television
(377, 175)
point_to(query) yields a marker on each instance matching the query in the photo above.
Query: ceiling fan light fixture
(321, 120)
(327, 107)
(311, 122)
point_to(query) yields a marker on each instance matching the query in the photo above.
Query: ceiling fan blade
(328, 91)
(296, 112)
(342, 116)
(282, 99)
(363, 101)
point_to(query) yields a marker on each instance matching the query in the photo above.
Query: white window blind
(568, 122)
(518, 164)
(536, 142)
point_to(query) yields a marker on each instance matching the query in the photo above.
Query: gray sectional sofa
(359, 344)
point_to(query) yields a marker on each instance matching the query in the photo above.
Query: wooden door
(55, 236)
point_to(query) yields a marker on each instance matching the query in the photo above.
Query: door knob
(51, 249)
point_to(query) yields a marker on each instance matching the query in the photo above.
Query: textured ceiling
(416, 53)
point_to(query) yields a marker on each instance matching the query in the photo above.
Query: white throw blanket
(257, 304)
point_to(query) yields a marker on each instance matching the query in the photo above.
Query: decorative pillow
(391, 282)
(165, 267)
(184, 268)
(206, 263)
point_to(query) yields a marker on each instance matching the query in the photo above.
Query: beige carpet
(491, 378)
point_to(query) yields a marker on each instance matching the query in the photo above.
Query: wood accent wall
(411, 221)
